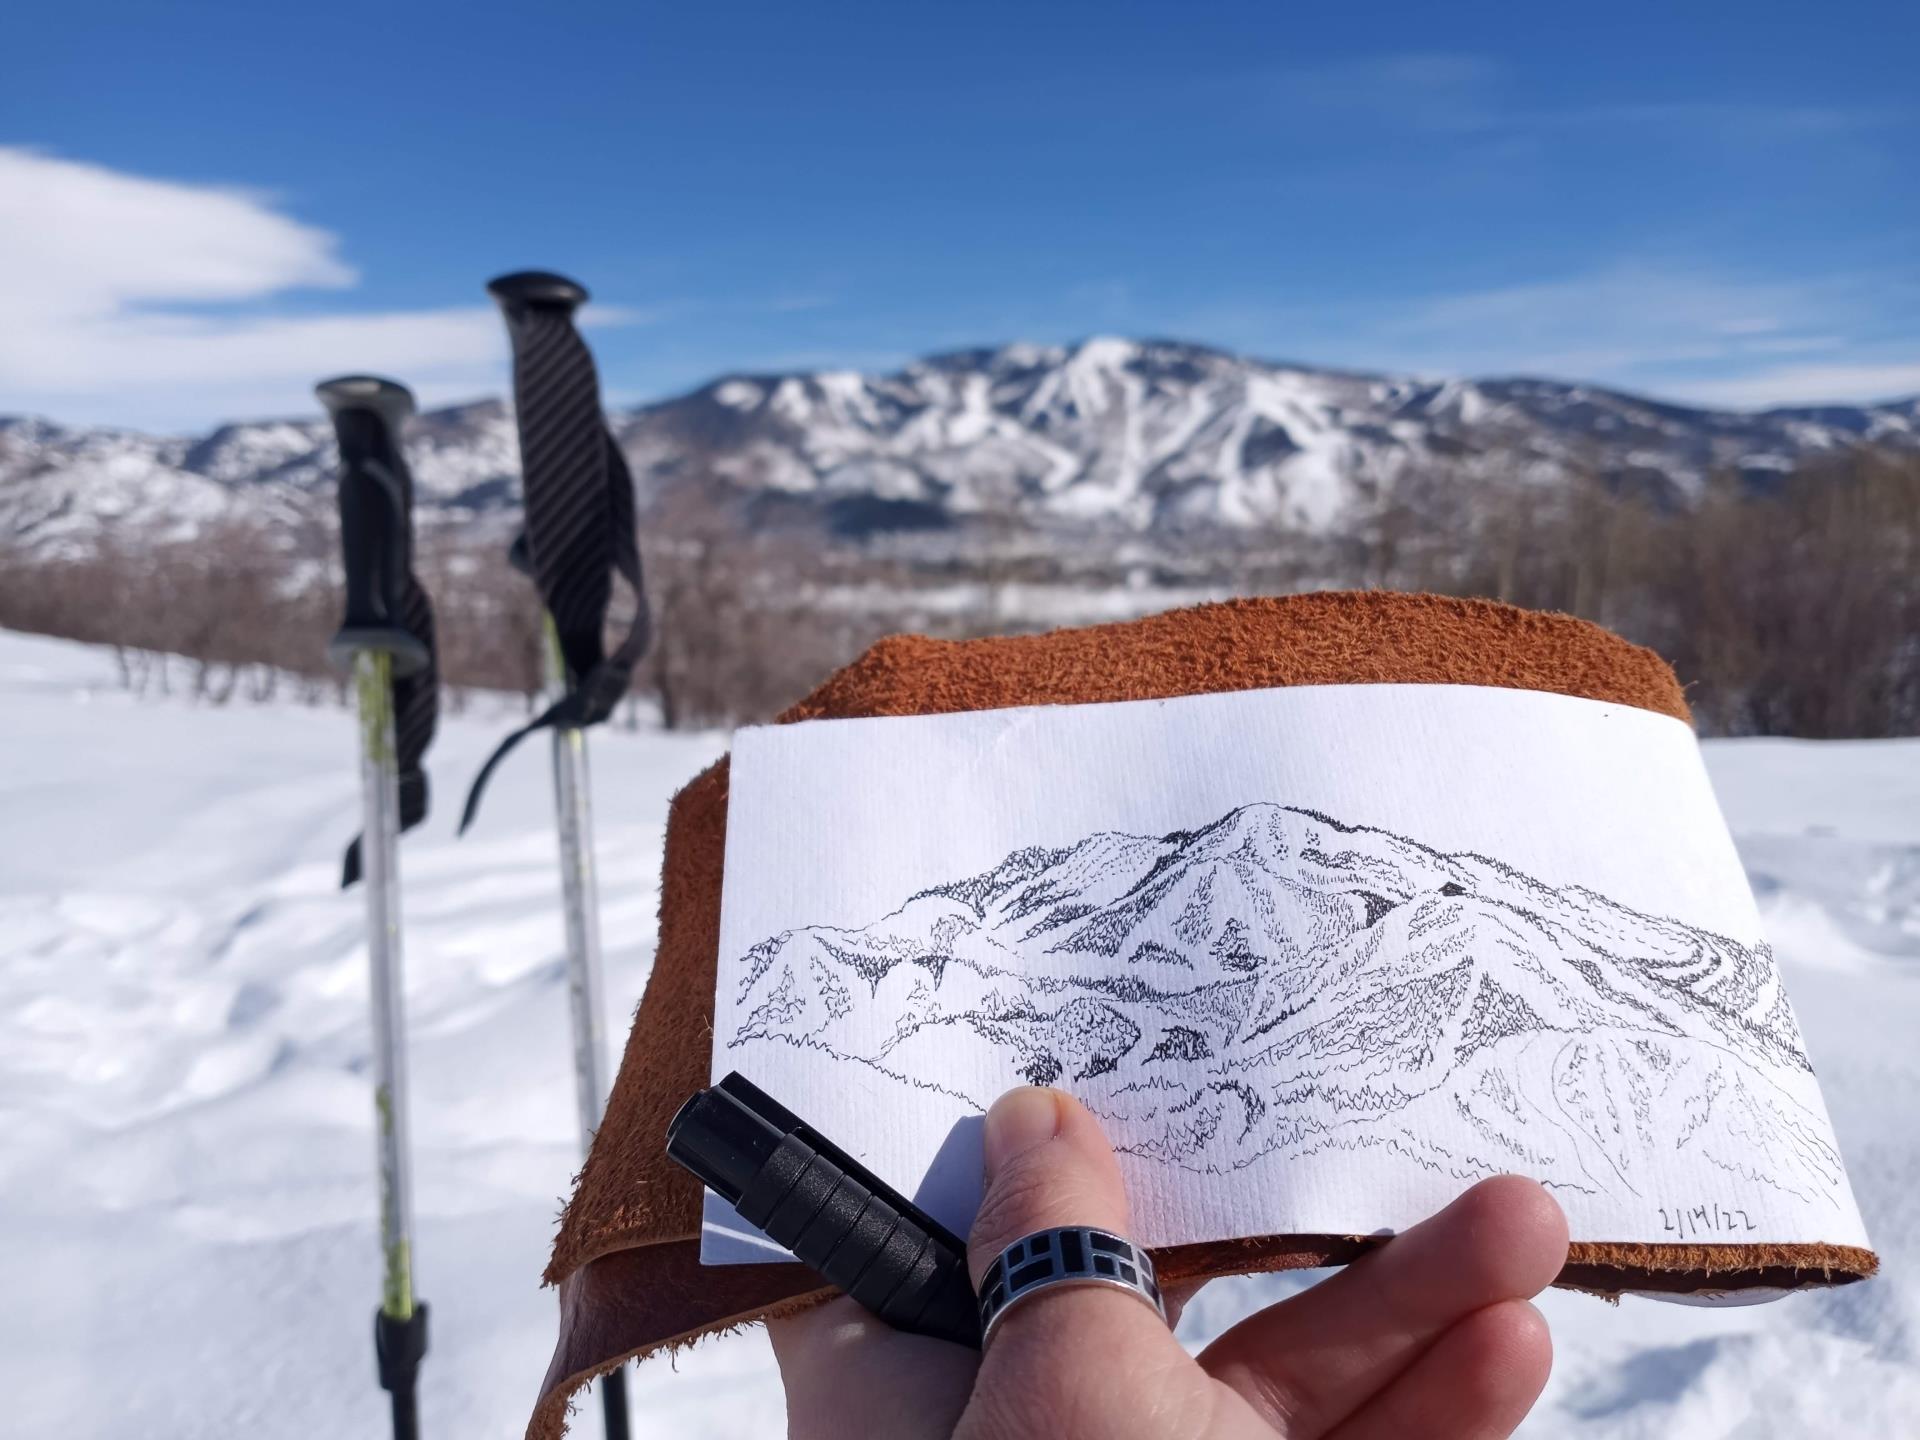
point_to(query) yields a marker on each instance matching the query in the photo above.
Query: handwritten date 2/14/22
(1693, 1221)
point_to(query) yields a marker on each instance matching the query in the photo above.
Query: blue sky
(202, 207)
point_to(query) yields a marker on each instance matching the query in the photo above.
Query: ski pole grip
(526, 290)
(368, 414)
(387, 401)
(832, 1212)
(518, 296)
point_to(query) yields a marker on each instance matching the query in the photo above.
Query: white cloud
(1738, 122)
(795, 304)
(1808, 385)
(81, 239)
(172, 353)
(110, 286)
(1609, 319)
(1428, 91)
(1442, 93)
(1684, 332)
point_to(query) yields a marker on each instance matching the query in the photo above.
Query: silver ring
(1065, 1255)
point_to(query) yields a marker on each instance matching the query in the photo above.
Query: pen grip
(834, 1222)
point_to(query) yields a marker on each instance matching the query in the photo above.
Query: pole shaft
(380, 801)
(580, 897)
(406, 1414)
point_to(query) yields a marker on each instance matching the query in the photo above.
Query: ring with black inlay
(1065, 1255)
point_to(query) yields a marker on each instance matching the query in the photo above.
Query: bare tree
(1792, 608)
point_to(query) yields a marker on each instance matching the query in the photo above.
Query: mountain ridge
(1135, 435)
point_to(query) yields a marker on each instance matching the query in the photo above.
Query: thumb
(1048, 1164)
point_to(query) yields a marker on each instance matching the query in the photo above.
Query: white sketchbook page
(1318, 957)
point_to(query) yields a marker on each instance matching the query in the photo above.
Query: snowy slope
(185, 1147)
(1121, 432)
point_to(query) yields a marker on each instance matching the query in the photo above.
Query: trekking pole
(580, 895)
(388, 659)
(579, 536)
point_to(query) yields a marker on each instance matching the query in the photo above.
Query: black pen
(834, 1214)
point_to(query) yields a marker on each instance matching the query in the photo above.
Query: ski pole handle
(518, 295)
(526, 290)
(368, 413)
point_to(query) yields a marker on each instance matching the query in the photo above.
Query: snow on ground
(186, 1153)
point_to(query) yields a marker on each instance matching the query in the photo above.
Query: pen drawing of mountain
(1279, 984)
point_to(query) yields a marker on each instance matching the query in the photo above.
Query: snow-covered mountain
(65, 488)
(1138, 434)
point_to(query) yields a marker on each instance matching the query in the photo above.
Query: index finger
(1311, 1360)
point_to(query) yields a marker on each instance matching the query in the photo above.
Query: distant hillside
(1141, 435)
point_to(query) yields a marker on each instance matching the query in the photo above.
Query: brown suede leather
(626, 1257)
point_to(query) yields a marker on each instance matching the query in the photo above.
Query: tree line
(1791, 609)
(1788, 609)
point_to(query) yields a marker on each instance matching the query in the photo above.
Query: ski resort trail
(187, 1243)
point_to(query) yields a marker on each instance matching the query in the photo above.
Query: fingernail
(1018, 1121)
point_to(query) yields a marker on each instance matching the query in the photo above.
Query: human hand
(1431, 1335)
